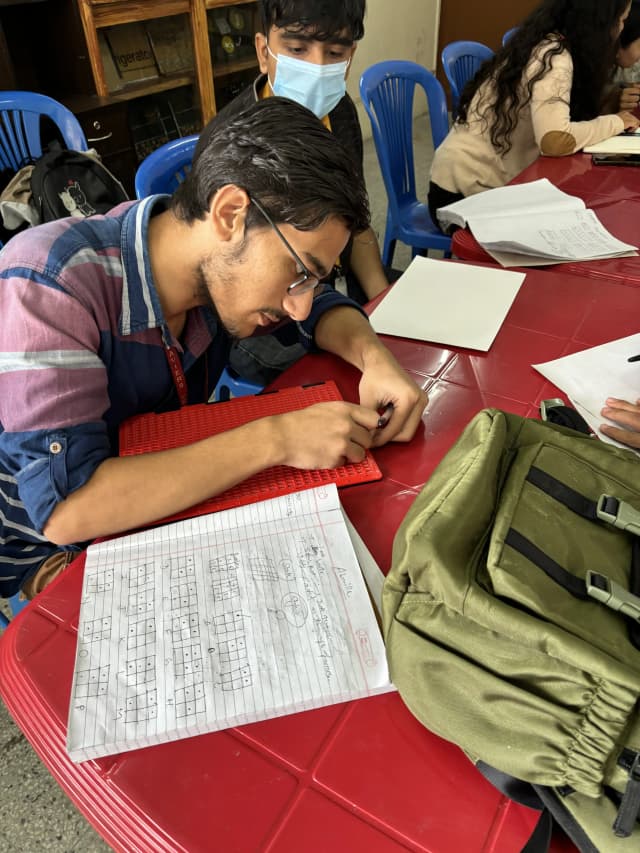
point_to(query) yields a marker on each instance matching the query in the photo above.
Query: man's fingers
(624, 436)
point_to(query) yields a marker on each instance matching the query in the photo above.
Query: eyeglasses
(307, 280)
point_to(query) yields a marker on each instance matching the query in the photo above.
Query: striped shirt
(82, 348)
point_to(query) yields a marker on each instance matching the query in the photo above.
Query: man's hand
(325, 435)
(385, 385)
(629, 97)
(631, 122)
(627, 415)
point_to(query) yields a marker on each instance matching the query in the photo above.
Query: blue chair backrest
(508, 34)
(166, 167)
(461, 60)
(387, 90)
(20, 123)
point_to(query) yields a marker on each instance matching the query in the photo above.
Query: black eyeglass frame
(297, 288)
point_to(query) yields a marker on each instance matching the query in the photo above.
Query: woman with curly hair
(544, 93)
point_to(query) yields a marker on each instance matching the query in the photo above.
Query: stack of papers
(590, 376)
(447, 303)
(534, 224)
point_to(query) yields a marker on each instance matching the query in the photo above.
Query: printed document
(590, 376)
(534, 224)
(222, 620)
(447, 303)
(547, 238)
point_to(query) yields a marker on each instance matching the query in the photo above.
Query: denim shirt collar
(141, 307)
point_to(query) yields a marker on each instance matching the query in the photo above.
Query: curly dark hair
(584, 28)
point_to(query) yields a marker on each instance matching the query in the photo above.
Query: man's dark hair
(283, 157)
(327, 19)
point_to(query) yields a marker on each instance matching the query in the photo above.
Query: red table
(613, 192)
(362, 776)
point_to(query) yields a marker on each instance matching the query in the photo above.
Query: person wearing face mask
(304, 53)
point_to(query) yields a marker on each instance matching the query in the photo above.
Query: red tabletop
(613, 192)
(361, 776)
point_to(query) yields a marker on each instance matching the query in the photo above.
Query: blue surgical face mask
(319, 88)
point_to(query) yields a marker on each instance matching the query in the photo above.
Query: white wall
(395, 29)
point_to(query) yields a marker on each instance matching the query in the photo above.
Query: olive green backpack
(512, 620)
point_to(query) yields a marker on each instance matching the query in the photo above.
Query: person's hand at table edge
(627, 416)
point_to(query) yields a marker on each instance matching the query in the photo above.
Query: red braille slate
(145, 433)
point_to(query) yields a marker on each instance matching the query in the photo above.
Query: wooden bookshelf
(100, 14)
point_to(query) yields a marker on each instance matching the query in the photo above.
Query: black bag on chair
(73, 183)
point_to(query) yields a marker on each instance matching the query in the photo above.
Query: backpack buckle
(619, 513)
(613, 595)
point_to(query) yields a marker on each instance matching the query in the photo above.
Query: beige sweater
(466, 162)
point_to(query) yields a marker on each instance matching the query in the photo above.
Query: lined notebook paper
(221, 620)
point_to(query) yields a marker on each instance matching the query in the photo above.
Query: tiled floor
(35, 814)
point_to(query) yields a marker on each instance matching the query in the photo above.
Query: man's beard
(216, 268)
(206, 301)
(204, 297)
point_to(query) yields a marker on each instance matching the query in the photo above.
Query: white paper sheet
(514, 200)
(622, 143)
(590, 376)
(221, 620)
(448, 303)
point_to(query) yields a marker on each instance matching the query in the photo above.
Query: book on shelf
(132, 53)
(112, 78)
(534, 224)
(223, 620)
(171, 43)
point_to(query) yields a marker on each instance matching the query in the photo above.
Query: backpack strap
(595, 585)
(630, 806)
(526, 795)
(552, 800)
(562, 493)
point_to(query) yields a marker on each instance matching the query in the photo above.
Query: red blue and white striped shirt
(82, 348)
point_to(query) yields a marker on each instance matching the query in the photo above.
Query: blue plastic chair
(460, 61)
(232, 385)
(165, 168)
(508, 34)
(20, 123)
(161, 172)
(387, 90)
(16, 604)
